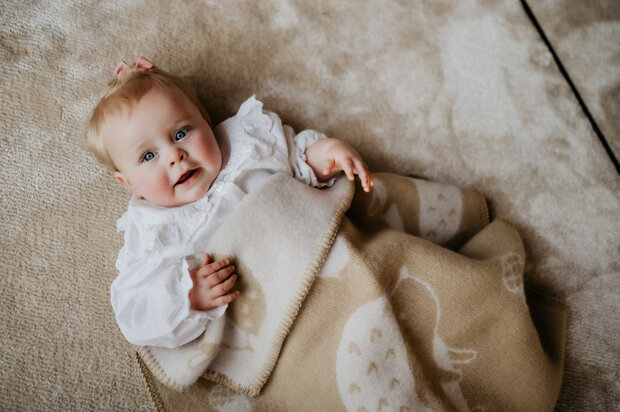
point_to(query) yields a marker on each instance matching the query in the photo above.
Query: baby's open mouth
(186, 176)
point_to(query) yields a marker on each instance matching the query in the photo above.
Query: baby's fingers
(364, 174)
(218, 277)
(225, 286)
(210, 268)
(225, 299)
(199, 271)
(349, 168)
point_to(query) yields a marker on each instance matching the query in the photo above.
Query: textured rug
(464, 93)
(586, 38)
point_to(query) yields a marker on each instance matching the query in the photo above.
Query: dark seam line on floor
(584, 108)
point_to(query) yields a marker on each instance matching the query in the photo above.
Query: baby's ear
(120, 176)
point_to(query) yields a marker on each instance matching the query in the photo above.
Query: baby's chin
(190, 196)
(178, 200)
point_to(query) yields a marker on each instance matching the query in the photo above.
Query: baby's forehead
(113, 127)
(122, 138)
(128, 117)
(116, 116)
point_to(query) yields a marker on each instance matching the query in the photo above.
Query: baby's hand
(329, 156)
(212, 284)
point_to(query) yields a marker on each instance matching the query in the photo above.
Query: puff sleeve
(297, 144)
(261, 142)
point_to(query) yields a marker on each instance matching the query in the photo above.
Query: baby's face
(164, 150)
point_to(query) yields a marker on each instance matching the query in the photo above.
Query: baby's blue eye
(180, 134)
(148, 156)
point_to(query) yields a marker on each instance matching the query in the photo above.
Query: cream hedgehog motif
(224, 399)
(441, 207)
(440, 211)
(512, 274)
(372, 369)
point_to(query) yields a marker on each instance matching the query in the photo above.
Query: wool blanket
(403, 299)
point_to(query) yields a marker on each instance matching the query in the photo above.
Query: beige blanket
(351, 312)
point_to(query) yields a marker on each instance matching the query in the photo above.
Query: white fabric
(150, 295)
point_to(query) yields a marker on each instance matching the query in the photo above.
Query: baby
(186, 178)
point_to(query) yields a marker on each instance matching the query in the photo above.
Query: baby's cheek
(158, 184)
(207, 150)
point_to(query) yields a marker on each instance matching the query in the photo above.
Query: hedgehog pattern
(512, 274)
(440, 210)
(224, 399)
(372, 369)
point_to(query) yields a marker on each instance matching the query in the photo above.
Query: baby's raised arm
(212, 284)
(327, 157)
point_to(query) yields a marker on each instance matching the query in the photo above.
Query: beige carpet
(586, 37)
(460, 92)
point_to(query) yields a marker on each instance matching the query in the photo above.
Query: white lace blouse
(150, 294)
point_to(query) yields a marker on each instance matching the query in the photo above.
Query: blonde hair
(125, 93)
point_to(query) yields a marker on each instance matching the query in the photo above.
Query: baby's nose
(176, 156)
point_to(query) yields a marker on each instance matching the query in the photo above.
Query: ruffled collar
(238, 136)
(143, 212)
